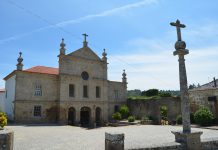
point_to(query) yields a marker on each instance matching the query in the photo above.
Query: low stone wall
(207, 144)
(210, 144)
(6, 139)
(140, 108)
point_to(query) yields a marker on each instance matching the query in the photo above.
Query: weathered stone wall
(151, 107)
(200, 98)
(24, 110)
(26, 84)
(207, 144)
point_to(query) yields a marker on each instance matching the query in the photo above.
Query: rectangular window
(98, 92)
(71, 90)
(38, 90)
(116, 94)
(37, 111)
(85, 91)
(116, 108)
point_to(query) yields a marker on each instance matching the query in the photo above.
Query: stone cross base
(6, 139)
(192, 140)
(114, 141)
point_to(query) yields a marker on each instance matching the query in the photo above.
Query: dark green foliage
(203, 116)
(164, 94)
(179, 119)
(192, 118)
(124, 111)
(135, 92)
(117, 116)
(151, 92)
(143, 93)
(131, 119)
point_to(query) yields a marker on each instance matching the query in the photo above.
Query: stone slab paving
(47, 137)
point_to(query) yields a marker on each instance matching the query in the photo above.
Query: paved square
(48, 137)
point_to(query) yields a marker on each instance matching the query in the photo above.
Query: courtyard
(54, 137)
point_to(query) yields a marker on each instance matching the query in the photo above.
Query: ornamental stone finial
(104, 56)
(62, 45)
(85, 43)
(20, 60)
(124, 79)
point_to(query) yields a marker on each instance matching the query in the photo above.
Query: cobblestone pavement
(47, 137)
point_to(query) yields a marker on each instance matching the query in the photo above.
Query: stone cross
(178, 26)
(185, 104)
(85, 35)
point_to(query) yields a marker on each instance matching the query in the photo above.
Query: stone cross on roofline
(178, 26)
(85, 42)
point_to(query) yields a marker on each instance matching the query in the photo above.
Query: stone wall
(207, 144)
(200, 98)
(24, 111)
(26, 85)
(151, 107)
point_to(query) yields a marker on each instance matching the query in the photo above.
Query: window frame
(98, 92)
(37, 111)
(85, 94)
(38, 90)
(73, 89)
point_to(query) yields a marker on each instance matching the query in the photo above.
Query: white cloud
(110, 12)
(160, 68)
(114, 11)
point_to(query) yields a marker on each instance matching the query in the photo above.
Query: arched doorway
(98, 116)
(85, 114)
(71, 116)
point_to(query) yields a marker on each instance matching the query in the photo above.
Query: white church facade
(77, 92)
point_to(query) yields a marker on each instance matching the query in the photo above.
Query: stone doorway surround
(85, 116)
(71, 116)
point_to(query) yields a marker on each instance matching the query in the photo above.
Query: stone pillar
(114, 141)
(77, 120)
(6, 139)
(190, 139)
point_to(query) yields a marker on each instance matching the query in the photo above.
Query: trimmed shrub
(203, 116)
(124, 111)
(117, 116)
(3, 119)
(131, 119)
(179, 119)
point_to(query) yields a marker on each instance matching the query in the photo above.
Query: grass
(144, 97)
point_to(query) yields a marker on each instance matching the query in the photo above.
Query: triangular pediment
(86, 53)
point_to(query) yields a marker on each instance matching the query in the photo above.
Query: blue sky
(135, 33)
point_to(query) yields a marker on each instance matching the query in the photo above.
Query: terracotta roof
(43, 69)
(2, 90)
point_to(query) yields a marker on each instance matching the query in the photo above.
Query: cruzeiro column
(181, 52)
(191, 139)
